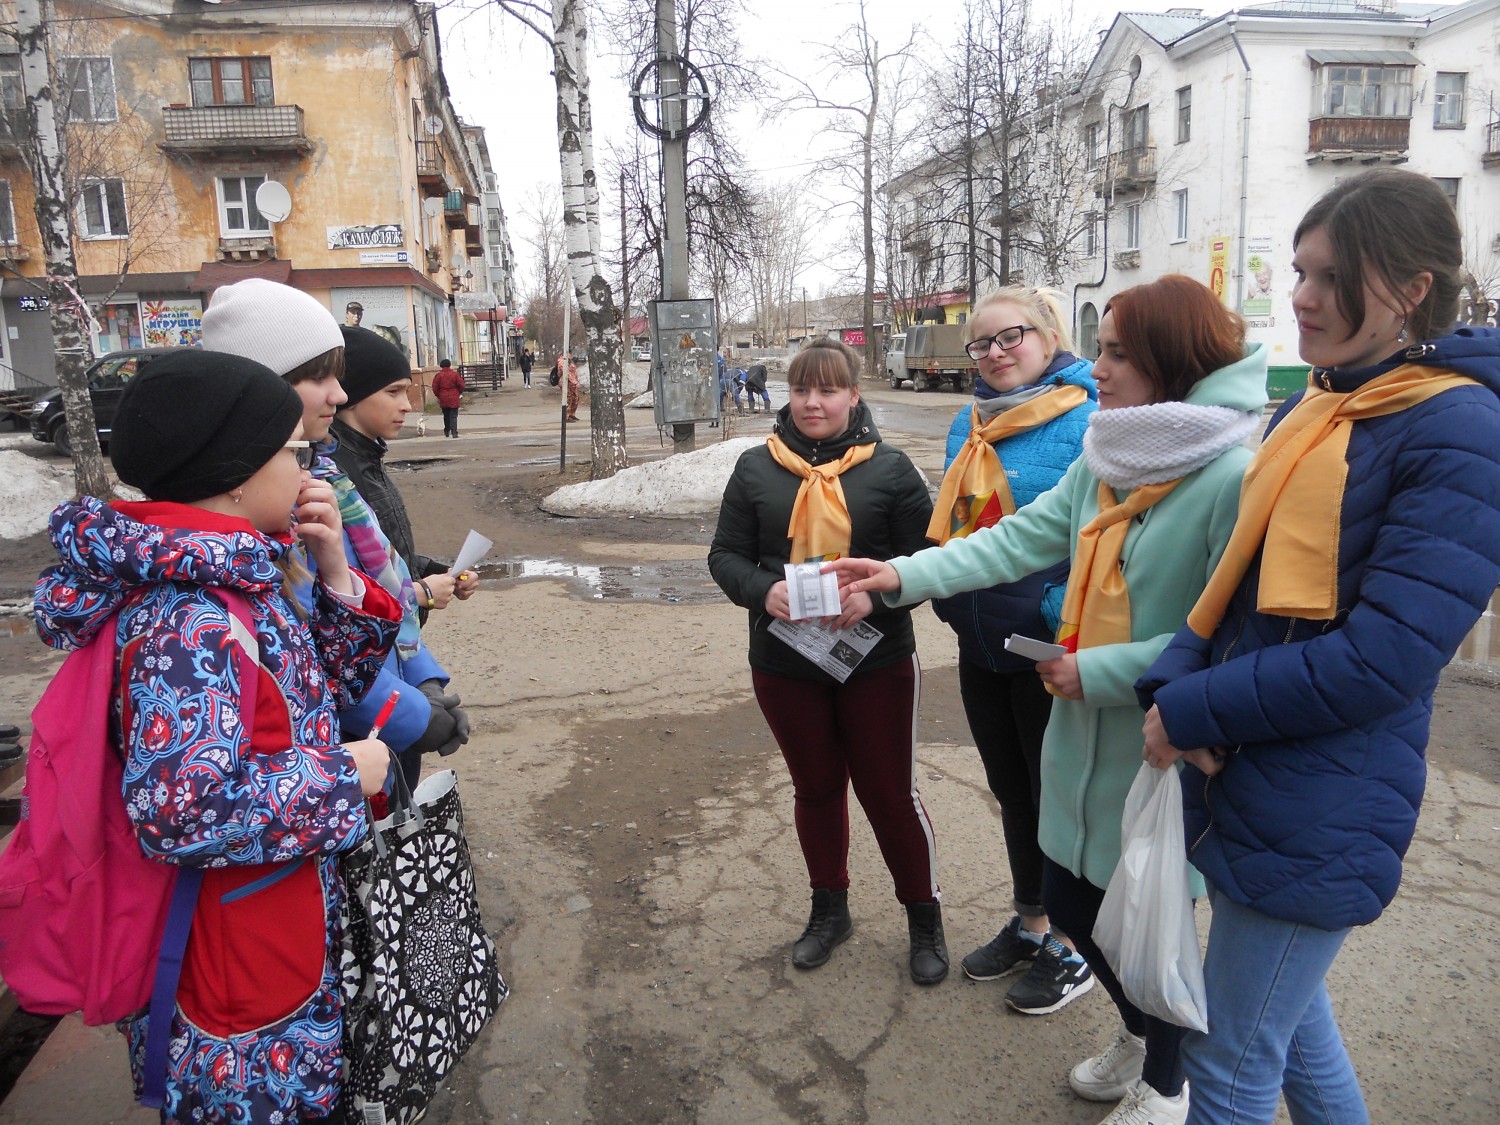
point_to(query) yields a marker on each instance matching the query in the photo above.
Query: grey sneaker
(1109, 1076)
(1005, 953)
(1054, 980)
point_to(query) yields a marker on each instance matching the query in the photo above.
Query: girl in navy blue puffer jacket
(1368, 543)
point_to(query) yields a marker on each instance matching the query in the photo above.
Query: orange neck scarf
(975, 492)
(1293, 496)
(1096, 607)
(820, 528)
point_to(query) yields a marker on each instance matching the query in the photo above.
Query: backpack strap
(190, 879)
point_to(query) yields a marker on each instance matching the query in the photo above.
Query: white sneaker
(1110, 1076)
(1144, 1106)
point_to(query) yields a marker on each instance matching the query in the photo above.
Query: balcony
(430, 178)
(1133, 169)
(15, 136)
(455, 211)
(261, 249)
(234, 128)
(1491, 157)
(474, 230)
(916, 239)
(1358, 140)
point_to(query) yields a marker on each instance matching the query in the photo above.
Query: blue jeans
(1271, 1027)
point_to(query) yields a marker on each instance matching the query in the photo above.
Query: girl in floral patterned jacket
(263, 802)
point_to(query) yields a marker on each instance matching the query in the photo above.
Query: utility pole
(674, 282)
(625, 337)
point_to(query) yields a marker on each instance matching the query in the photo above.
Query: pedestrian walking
(264, 802)
(1144, 514)
(1300, 692)
(825, 484)
(527, 359)
(448, 386)
(1032, 403)
(572, 379)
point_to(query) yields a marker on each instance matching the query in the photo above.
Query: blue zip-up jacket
(1310, 820)
(1034, 462)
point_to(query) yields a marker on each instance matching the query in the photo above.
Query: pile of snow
(32, 489)
(683, 484)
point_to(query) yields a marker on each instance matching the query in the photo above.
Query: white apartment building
(1205, 138)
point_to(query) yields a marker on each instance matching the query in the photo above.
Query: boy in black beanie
(378, 381)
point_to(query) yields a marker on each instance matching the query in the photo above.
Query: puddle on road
(416, 464)
(683, 581)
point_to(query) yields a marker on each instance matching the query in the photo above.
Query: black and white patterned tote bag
(420, 975)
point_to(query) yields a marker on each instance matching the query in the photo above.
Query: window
(1091, 144)
(91, 86)
(1088, 331)
(238, 217)
(1184, 114)
(1090, 234)
(1362, 91)
(1180, 209)
(1448, 101)
(1450, 189)
(7, 215)
(1132, 226)
(104, 209)
(1137, 128)
(231, 81)
(12, 92)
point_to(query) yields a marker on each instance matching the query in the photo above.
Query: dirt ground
(631, 824)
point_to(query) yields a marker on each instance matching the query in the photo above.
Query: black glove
(433, 690)
(440, 736)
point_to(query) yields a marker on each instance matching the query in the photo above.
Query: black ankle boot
(827, 926)
(929, 952)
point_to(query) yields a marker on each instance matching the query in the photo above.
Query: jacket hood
(111, 554)
(1474, 352)
(861, 431)
(1240, 386)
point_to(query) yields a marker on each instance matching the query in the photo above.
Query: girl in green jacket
(1143, 516)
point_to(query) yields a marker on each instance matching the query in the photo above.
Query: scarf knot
(1292, 498)
(820, 527)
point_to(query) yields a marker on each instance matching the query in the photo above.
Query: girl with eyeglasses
(1143, 515)
(1300, 692)
(263, 799)
(1032, 402)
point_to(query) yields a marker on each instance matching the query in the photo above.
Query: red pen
(386, 711)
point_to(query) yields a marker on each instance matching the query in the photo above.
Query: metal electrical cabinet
(685, 369)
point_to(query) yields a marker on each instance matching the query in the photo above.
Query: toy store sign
(173, 324)
(365, 238)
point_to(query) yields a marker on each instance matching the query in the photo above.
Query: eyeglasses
(305, 453)
(1007, 338)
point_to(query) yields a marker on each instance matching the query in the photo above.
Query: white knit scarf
(1129, 446)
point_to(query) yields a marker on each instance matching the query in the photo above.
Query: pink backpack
(82, 909)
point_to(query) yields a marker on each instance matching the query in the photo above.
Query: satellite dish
(432, 207)
(458, 260)
(433, 125)
(273, 201)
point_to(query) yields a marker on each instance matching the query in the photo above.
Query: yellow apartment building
(178, 116)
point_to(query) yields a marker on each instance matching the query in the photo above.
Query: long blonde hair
(1043, 306)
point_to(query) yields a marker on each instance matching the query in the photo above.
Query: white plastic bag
(1145, 925)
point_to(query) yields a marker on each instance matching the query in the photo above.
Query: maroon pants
(862, 731)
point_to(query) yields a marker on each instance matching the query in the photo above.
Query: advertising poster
(1218, 265)
(365, 237)
(1259, 277)
(173, 324)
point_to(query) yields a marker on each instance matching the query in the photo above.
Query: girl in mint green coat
(1179, 397)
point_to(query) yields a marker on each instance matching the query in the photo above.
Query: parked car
(895, 360)
(107, 379)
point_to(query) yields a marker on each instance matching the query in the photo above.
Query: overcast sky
(499, 74)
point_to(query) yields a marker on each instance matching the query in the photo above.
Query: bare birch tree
(69, 313)
(782, 250)
(569, 40)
